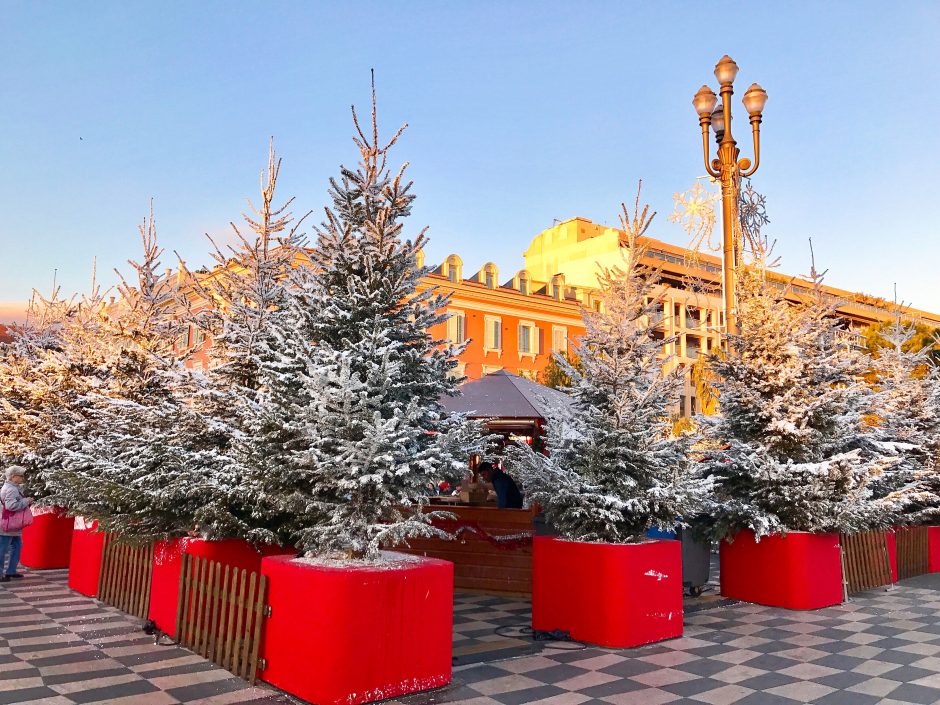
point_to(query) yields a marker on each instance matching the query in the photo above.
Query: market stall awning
(503, 395)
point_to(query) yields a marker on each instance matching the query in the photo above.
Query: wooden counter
(480, 564)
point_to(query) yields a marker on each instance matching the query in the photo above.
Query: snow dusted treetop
(349, 432)
(908, 422)
(790, 424)
(245, 288)
(612, 470)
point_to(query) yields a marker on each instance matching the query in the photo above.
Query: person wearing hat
(12, 501)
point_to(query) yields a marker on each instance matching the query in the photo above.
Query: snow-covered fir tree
(907, 424)
(349, 430)
(131, 451)
(612, 469)
(233, 306)
(32, 391)
(790, 450)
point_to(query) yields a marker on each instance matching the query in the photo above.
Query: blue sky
(519, 113)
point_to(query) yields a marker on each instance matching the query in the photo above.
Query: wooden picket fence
(220, 614)
(865, 561)
(124, 581)
(912, 551)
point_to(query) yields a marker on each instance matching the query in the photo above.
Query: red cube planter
(85, 557)
(168, 564)
(798, 571)
(933, 549)
(891, 539)
(615, 595)
(357, 634)
(47, 542)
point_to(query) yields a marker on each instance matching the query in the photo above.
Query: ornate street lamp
(727, 167)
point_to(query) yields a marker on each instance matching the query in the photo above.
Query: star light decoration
(694, 211)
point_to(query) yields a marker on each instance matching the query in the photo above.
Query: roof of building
(506, 396)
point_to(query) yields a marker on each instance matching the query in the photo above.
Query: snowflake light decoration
(752, 215)
(694, 211)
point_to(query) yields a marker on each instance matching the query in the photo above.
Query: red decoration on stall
(798, 571)
(85, 557)
(459, 527)
(47, 542)
(933, 549)
(614, 595)
(168, 564)
(356, 634)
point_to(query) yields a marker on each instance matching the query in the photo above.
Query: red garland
(504, 542)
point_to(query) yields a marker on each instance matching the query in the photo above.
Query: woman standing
(15, 516)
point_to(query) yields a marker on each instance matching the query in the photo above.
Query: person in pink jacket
(11, 540)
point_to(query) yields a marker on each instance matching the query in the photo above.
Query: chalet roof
(506, 396)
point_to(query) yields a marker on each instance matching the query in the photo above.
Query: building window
(682, 406)
(454, 266)
(559, 339)
(490, 369)
(457, 327)
(490, 280)
(558, 287)
(493, 338)
(183, 339)
(523, 285)
(458, 371)
(693, 346)
(528, 338)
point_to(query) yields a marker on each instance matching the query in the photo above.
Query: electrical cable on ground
(555, 637)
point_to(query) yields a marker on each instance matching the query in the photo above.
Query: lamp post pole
(726, 167)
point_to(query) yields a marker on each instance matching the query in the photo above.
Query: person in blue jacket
(508, 495)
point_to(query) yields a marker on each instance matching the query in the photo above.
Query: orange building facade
(515, 323)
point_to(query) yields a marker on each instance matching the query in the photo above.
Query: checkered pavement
(59, 648)
(488, 628)
(883, 647)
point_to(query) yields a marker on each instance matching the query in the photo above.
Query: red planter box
(47, 542)
(168, 564)
(85, 557)
(799, 571)
(933, 549)
(891, 537)
(358, 634)
(615, 595)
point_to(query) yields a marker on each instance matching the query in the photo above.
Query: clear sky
(519, 112)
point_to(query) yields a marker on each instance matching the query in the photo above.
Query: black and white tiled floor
(881, 648)
(60, 648)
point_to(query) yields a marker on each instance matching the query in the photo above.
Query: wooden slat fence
(220, 614)
(125, 576)
(866, 562)
(912, 551)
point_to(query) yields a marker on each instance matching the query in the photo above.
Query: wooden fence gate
(865, 561)
(912, 551)
(220, 614)
(124, 581)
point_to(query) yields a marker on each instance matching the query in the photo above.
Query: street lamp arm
(755, 130)
(705, 122)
